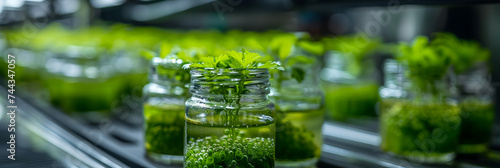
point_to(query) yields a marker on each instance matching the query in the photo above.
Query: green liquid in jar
(422, 132)
(164, 129)
(298, 135)
(345, 101)
(84, 95)
(246, 145)
(477, 122)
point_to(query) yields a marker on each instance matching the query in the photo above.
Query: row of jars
(414, 123)
(347, 96)
(83, 81)
(420, 128)
(186, 122)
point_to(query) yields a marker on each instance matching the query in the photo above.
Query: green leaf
(237, 57)
(148, 54)
(193, 65)
(465, 54)
(250, 59)
(285, 50)
(316, 48)
(165, 49)
(208, 62)
(271, 65)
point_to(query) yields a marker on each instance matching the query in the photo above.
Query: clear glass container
(477, 110)
(417, 124)
(163, 100)
(300, 116)
(230, 122)
(351, 89)
(82, 81)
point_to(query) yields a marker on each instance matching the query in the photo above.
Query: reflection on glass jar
(417, 125)
(164, 99)
(81, 80)
(351, 91)
(477, 111)
(229, 120)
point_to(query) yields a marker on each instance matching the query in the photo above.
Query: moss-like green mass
(411, 129)
(226, 152)
(164, 129)
(477, 122)
(294, 143)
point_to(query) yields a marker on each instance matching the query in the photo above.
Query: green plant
(426, 64)
(466, 53)
(230, 150)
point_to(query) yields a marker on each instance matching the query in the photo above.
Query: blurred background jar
(82, 80)
(477, 109)
(230, 122)
(475, 92)
(420, 125)
(164, 98)
(349, 78)
(299, 101)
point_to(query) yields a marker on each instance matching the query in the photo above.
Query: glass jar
(477, 111)
(163, 102)
(300, 115)
(230, 122)
(82, 81)
(134, 71)
(351, 91)
(416, 124)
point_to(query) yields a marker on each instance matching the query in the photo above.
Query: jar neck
(230, 85)
(168, 72)
(395, 79)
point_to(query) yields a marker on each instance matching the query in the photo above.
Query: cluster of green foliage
(235, 60)
(426, 63)
(229, 151)
(429, 61)
(294, 143)
(164, 125)
(407, 127)
(466, 53)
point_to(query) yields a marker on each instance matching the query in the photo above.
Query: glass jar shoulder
(203, 111)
